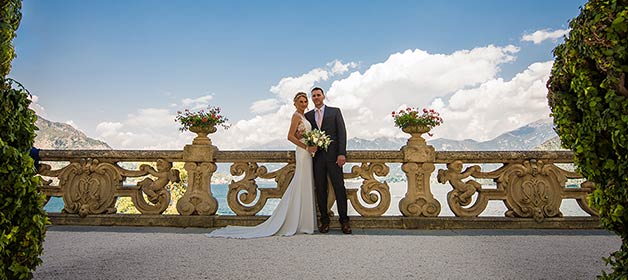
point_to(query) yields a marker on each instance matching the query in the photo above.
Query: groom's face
(317, 98)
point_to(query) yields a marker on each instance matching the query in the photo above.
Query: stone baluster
(200, 165)
(418, 165)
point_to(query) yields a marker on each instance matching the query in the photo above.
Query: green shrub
(22, 219)
(589, 101)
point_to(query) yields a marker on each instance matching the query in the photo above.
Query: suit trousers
(322, 169)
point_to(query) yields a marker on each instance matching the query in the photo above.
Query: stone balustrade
(531, 184)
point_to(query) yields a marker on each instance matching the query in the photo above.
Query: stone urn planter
(416, 131)
(201, 132)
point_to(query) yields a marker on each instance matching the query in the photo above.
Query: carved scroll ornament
(89, 187)
(373, 192)
(531, 189)
(244, 191)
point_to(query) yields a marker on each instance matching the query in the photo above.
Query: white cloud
(148, 128)
(106, 129)
(256, 131)
(274, 114)
(35, 106)
(464, 86)
(337, 67)
(197, 103)
(541, 35)
(289, 86)
(151, 118)
(476, 103)
(412, 78)
(496, 106)
(265, 106)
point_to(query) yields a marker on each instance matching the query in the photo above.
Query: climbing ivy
(589, 102)
(22, 219)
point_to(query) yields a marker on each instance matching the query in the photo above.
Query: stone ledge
(387, 222)
(388, 156)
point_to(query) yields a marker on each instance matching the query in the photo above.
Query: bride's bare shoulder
(296, 117)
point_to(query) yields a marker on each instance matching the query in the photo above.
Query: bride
(295, 213)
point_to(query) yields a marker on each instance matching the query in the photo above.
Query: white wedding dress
(295, 213)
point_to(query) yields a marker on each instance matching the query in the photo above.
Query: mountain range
(529, 137)
(61, 136)
(538, 135)
(553, 144)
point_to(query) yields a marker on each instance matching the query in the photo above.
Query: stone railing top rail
(390, 156)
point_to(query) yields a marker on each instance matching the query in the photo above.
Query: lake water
(569, 207)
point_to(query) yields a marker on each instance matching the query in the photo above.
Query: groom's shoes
(324, 228)
(346, 228)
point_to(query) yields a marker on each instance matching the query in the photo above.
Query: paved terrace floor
(80, 252)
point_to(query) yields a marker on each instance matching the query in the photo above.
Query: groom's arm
(342, 134)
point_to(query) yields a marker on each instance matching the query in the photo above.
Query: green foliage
(10, 17)
(22, 219)
(17, 121)
(589, 101)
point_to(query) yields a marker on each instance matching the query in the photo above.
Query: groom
(330, 162)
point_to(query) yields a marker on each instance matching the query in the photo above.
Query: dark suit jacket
(334, 126)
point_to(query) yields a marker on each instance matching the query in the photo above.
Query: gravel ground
(76, 252)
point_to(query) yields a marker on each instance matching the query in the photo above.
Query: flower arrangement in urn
(202, 123)
(206, 118)
(412, 120)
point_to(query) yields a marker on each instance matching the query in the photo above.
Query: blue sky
(119, 70)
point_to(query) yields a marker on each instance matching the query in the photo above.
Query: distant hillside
(524, 138)
(60, 136)
(381, 143)
(521, 139)
(553, 144)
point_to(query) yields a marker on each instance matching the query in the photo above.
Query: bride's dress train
(294, 214)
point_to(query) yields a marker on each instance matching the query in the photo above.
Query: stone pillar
(200, 165)
(418, 165)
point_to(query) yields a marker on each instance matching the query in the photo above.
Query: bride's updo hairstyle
(299, 94)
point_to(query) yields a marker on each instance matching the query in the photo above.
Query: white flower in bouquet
(317, 138)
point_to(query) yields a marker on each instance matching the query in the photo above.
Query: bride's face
(301, 103)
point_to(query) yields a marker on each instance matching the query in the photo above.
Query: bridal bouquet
(317, 138)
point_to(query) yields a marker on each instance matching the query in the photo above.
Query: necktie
(319, 122)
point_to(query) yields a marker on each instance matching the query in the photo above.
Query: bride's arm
(292, 132)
